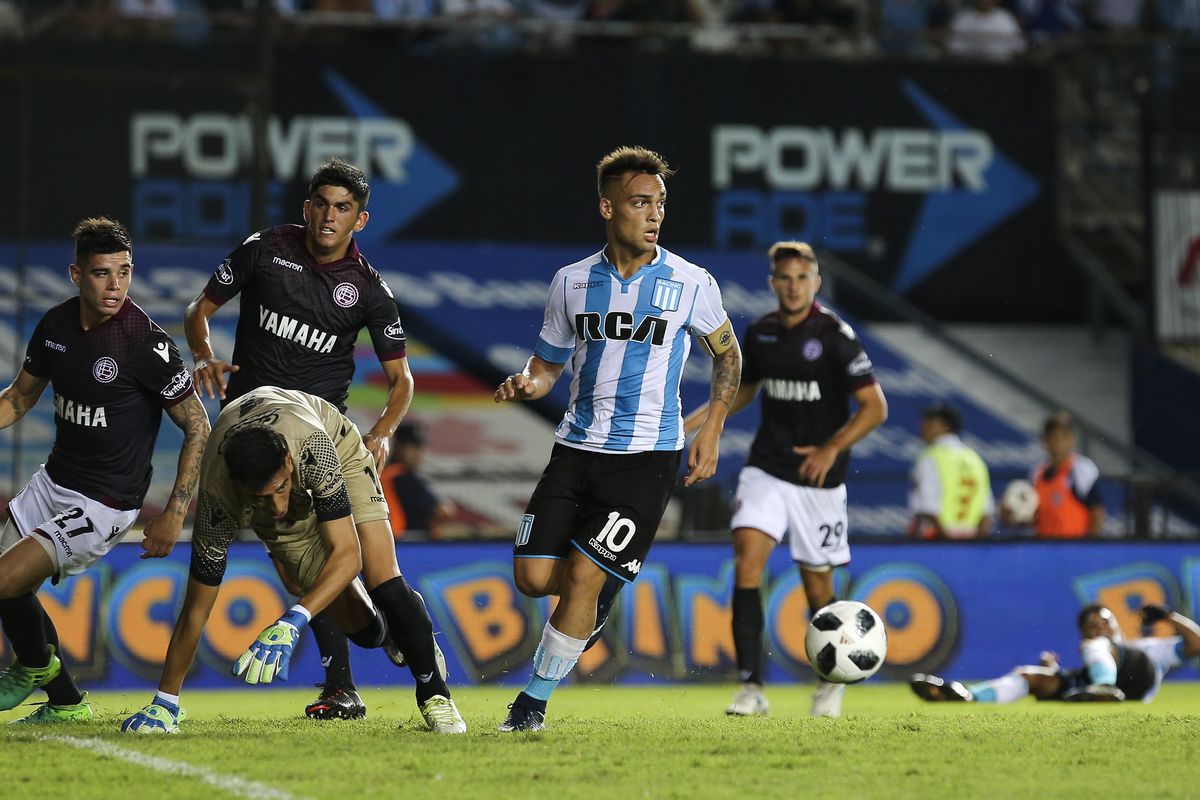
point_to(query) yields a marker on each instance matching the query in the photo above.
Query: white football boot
(749, 702)
(827, 699)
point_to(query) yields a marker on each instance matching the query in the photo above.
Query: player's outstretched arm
(270, 655)
(872, 411)
(163, 531)
(162, 715)
(1185, 628)
(726, 382)
(210, 370)
(532, 383)
(20, 396)
(378, 440)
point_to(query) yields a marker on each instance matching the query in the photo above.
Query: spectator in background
(414, 504)
(951, 492)
(1044, 20)
(1067, 485)
(985, 30)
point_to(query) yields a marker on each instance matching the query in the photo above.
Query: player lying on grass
(1113, 669)
(298, 469)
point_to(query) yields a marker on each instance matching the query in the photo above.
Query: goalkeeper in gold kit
(297, 469)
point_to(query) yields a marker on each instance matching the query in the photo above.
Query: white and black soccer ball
(846, 642)
(1020, 500)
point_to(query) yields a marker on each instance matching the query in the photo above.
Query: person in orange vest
(415, 506)
(1067, 485)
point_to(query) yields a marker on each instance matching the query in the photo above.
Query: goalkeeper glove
(271, 653)
(1155, 612)
(161, 716)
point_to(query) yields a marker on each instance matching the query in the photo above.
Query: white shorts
(75, 530)
(813, 519)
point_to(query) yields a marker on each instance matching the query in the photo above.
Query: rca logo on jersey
(179, 384)
(345, 295)
(79, 414)
(293, 330)
(618, 326)
(792, 391)
(105, 370)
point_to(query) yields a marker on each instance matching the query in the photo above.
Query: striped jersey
(627, 341)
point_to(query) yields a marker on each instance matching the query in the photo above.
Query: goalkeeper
(296, 469)
(1113, 669)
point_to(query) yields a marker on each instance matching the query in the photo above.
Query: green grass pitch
(671, 741)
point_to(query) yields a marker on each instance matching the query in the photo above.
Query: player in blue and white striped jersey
(623, 318)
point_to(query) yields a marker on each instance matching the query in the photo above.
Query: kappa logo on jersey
(666, 294)
(394, 331)
(618, 326)
(79, 414)
(345, 294)
(225, 271)
(812, 349)
(178, 384)
(792, 391)
(293, 330)
(634, 566)
(524, 529)
(586, 284)
(861, 365)
(163, 351)
(105, 370)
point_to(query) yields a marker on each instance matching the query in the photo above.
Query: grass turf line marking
(229, 783)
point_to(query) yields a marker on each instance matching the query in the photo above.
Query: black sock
(604, 605)
(335, 652)
(22, 618)
(412, 632)
(748, 634)
(530, 702)
(61, 691)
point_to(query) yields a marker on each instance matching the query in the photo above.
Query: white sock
(1006, 689)
(554, 659)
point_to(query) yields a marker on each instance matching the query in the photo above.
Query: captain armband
(719, 340)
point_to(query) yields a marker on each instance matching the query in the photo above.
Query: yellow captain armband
(719, 340)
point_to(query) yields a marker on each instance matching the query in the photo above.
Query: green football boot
(18, 681)
(47, 713)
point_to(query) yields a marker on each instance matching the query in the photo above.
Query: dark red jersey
(299, 319)
(110, 385)
(808, 373)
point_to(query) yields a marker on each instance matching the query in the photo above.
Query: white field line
(228, 783)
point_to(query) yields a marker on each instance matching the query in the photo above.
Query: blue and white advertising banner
(964, 609)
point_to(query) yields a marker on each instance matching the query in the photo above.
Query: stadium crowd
(976, 29)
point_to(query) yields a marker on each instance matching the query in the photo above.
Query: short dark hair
(950, 416)
(254, 454)
(336, 172)
(1087, 611)
(630, 159)
(1058, 420)
(410, 433)
(99, 235)
(781, 251)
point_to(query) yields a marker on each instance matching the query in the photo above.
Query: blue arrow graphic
(951, 219)
(395, 203)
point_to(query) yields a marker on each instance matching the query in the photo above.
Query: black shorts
(608, 505)
(1136, 675)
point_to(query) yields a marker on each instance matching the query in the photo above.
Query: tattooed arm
(162, 531)
(20, 396)
(706, 447)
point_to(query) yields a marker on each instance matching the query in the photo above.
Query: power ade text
(210, 150)
(816, 179)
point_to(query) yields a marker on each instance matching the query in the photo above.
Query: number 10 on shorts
(618, 531)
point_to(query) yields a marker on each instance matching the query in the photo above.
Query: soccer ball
(1020, 500)
(846, 642)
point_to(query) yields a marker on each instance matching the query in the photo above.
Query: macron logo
(288, 264)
